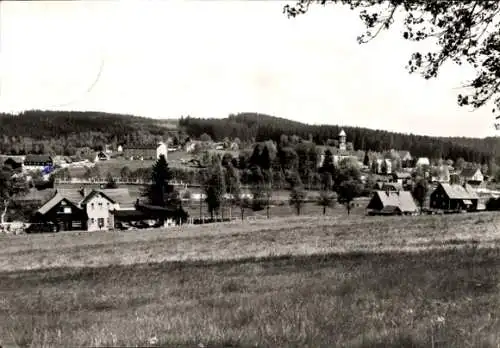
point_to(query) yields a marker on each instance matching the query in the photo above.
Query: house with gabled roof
(37, 162)
(84, 210)
(401, 177)
(392, 203)
(454, 197)
(472, 176)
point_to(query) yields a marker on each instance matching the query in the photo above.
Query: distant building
(388, 165)
(37, 163)
(162, 149)
(342, 141)
(402, 178)
(472, 176)
(392, 186)
(119, 148)
(145, 151)
(422, 161)
(406, 158)
(102, 156)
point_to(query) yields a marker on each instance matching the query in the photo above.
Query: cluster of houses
(465, 194)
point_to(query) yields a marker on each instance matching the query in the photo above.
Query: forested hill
(39, 124)
(61, 132)
(262, 127)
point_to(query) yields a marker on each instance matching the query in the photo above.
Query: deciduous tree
(347, 191)
(9, 188)
(420, 192)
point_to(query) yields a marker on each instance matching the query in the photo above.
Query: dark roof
(149, 207)
(141, 147)
(92, 194)
(37, 158)
(54, 201)
(468, 172)
(117, 195)
(129, 214)
(395, 185)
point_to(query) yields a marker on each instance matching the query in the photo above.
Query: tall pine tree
(159, 187)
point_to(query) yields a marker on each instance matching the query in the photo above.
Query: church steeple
(342, 141)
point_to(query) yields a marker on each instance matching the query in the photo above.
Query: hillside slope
(262, 127)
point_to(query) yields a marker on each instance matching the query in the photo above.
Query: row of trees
(222, 185)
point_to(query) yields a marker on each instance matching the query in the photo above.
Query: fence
(117, 181)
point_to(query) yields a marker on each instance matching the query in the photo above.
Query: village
(91, 203)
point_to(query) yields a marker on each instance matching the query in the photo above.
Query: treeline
(62, 132)
(260, 127)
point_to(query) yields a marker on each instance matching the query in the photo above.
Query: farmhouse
(392, 203)
(471, 176)
(37, 162)
(401, 177)
(81, 210)
(454, 197)
(145, 151)
(406, 158)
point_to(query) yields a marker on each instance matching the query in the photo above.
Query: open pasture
(423, 281)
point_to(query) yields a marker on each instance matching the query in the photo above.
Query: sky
(166, 59)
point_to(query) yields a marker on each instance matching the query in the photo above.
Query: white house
(97, 205)
(472, 175)
(388, 165)
(162, 149)
(120, 148)
(423, 161)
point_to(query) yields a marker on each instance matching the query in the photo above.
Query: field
(288, 282)
(115, 165)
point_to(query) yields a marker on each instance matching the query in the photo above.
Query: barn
(454, 197)
(392, 203)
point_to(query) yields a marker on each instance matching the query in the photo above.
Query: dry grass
(258, 238)
(295, 282)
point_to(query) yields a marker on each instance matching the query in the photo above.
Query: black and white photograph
(250, 173)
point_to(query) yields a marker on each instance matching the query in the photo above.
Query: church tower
(342, 141)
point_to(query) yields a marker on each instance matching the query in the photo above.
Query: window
(100, 222)
(92, 205)
(92, 220)
(100, 204)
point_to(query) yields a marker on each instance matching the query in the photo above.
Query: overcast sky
(170, 58)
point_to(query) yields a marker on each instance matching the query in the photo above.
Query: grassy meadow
(309, 281)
